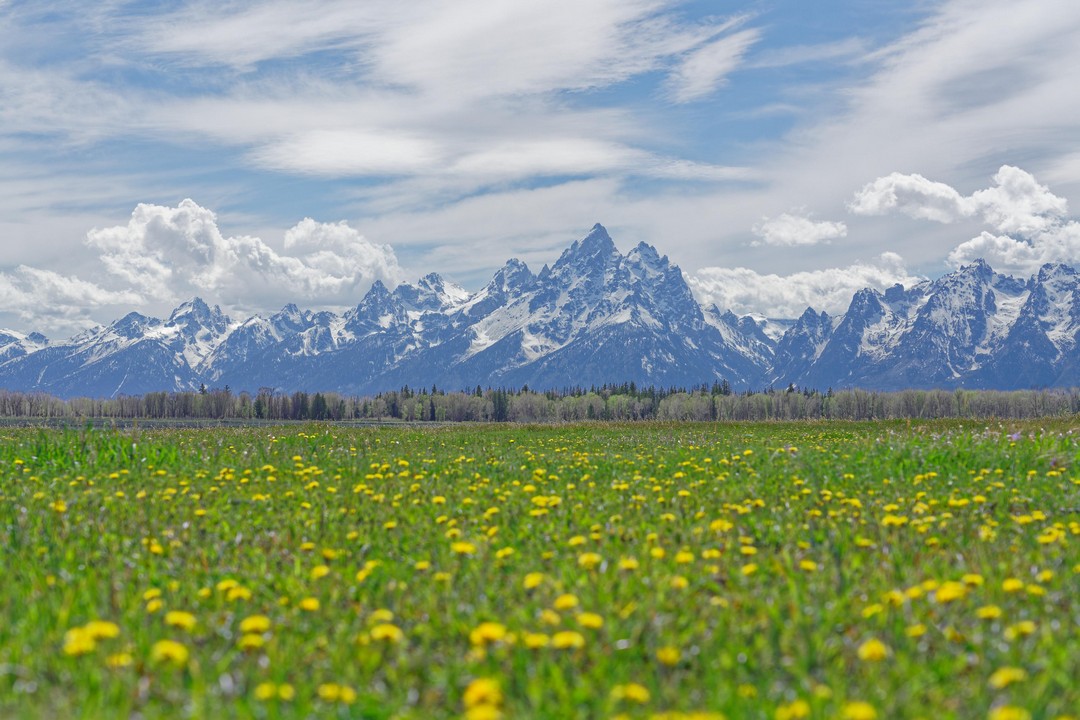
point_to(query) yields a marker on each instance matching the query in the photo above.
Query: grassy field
(834, 570)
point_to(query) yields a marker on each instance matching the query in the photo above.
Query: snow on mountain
(594, 316)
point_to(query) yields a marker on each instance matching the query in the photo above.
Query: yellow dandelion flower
(388, 633)
(794, 710)
(487, 633)
(566, 602)
(533, 580)
(631, 692)
(319, 571)
(309, 604)
(988, 612)
(251, 641)
(78, 642)
(265, 691)
(669, 655)
(858, 710)
(1020, 629)
(808, 566)
(1003, 677)
(589, 560)
(590, 620)
(873, 650)
(119, 660)
(1009, 712)
(102, 629)
(169, 652)
(482, 691)
(535, 641)
(567, 639)
(238, 592)
(628, 564)
(1012, 585)
(462, 548)
(255, 624)
(179, 619)
(949, 591)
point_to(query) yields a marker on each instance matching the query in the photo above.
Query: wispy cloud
(706, 68)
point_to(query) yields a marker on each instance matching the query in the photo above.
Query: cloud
(706, 69)
(169, 253)
(790, 230)
(1031, 223)
(743, 290)
(50, 300)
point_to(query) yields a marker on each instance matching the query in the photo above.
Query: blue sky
(782, 153)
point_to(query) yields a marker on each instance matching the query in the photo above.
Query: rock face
(595, 316)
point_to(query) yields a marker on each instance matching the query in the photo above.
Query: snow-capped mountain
(594, 316)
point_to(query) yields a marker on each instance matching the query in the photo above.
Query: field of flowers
(786, 571)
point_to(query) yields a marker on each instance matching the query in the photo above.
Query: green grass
(767, 555)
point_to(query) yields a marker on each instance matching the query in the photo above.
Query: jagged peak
(197, 309)
(597, 244)
(1050, 270)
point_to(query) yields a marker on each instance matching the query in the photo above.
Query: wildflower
(170, 652)
(265, 691)
(487, 633)
(102, 629)
(669, 655)
(119, 660)
(388, 633)
(1020, 629)
(567, 639)
(255, 624)
(589, 560)
(535, 641)
(808, 566)
(950, 591)
(462, 548)
(988, 612)
(566, 602)
(309, 604)
(179, 619)
(319, 571)
(78, 642)
(628, 564)
(1012, 585)
(631, 692)
(1009, 712)
(533, 580)
(873, 650)
(250, 641)
(590, 620)
(1003, 677)
(794, 710)
(858, 710)
(482, 691)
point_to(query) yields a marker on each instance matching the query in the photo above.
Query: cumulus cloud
(49, 300)
(790, 230)
(1031, 224)
(169, 253)
(743, 290)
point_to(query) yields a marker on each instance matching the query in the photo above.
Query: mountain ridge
(594, 316)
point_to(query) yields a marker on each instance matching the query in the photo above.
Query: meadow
(715, 570)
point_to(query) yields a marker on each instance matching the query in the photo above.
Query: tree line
(626, 402)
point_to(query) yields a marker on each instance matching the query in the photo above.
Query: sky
(783, 153)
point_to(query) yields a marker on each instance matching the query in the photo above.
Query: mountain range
(595, 316)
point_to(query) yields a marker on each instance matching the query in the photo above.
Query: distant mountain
(595, 316)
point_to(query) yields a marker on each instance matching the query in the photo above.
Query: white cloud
(49, 301)
(1031, 223)
(912, 195)
(171, 253)
(706, 69)
(790, 230)
(743, 290)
